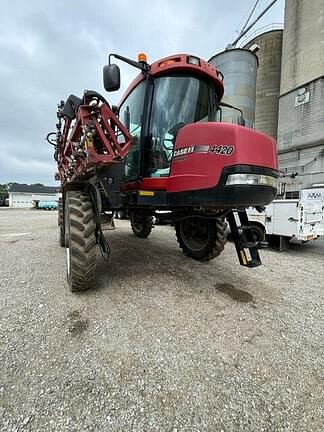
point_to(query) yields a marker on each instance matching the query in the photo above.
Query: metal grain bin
(239, 67)
(268, 80)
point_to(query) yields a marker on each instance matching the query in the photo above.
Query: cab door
(131, 113)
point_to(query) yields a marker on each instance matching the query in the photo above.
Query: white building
(25, 196)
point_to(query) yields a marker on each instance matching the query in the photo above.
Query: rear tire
(80, 241)
(201, 239)
(141, 225)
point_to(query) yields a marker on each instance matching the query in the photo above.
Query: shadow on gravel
(315, 247)
(135, 260)
(235, 293)
(132, 258)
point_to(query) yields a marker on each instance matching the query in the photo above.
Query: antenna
(246, 29)
(251, 13)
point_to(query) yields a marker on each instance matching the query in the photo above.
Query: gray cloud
(51, 49)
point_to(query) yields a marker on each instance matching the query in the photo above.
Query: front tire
(200, 238)
(141, 225)
(80, 241)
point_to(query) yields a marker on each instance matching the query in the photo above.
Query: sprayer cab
(181, 151)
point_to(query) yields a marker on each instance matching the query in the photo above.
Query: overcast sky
(50, 49)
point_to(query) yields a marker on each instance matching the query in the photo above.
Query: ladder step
(254, 263)
(245, 227)
(247, 245)
(263, 244)
(243, 239)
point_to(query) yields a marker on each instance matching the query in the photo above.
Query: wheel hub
(195, 233)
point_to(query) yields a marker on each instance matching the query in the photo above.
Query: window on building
(292, 195)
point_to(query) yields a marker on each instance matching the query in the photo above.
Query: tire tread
(146, 223)
(82, 241)
(213, 248)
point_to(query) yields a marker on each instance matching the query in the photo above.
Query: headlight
(251, 179)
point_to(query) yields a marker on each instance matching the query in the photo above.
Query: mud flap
(246, 248)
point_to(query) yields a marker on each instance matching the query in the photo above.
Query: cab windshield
(177, 101)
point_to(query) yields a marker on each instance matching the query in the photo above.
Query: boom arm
(88, 135)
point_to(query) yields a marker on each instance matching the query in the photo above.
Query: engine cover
(204, 150)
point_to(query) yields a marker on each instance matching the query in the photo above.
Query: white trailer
(315, 197)
(301, 219)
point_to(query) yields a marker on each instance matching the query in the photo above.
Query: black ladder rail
(243, 239)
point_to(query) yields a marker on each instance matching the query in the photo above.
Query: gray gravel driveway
(163, 343)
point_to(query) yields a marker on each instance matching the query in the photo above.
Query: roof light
(193, 60)
(142, 58)
(170, 61)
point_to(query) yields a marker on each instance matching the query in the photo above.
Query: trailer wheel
(141, 225)
(80, 241)
(61, 223)
(258, 233)
(201, 239)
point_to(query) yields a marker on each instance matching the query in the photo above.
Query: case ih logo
(225, 150)
(183, 151)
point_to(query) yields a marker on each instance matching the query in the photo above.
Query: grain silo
(268, 48)
(239, 67)
(301, 102)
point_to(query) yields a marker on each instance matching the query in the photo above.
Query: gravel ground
(163, 343)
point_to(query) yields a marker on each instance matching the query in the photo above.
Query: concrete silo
(301, 102)
(239, 67)
(268, 46)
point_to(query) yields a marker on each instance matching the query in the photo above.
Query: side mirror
(111, 77)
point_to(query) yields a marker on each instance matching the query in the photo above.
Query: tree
(3, 193)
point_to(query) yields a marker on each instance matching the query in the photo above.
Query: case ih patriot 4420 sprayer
(163, 148)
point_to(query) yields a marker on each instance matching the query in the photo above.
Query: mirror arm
(144, 67)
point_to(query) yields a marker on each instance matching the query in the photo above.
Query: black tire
(80, 241)
(201, 239)
(258, 233)
(61, 223)
(141, 225)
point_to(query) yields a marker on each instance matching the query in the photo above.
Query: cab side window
(130, 113)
